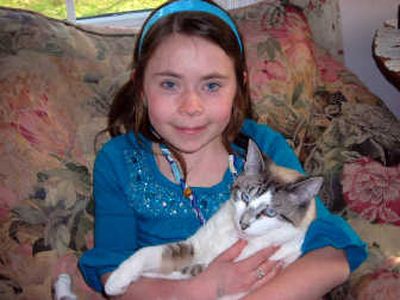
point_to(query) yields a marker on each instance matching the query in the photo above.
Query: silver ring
(260, 273)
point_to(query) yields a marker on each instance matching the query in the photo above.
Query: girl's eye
(269, 212)
(213, 86)
(169, 85)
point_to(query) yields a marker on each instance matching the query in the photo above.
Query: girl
(189, 94)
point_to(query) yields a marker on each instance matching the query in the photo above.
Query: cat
(269, 205)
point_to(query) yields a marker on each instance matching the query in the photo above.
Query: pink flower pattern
(39, 125)
(329, 69)
(372, 190)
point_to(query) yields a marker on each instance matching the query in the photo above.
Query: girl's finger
(253, 261)
(268, 270)
(232, 252)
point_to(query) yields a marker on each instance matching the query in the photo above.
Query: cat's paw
(118, 282)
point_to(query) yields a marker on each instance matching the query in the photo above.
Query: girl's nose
(191, 103)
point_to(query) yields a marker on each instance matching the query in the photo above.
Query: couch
(56, 82)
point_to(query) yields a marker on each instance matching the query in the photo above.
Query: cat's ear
(307, 189)
(254, 160)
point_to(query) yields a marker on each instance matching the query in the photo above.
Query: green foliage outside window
(84, 8)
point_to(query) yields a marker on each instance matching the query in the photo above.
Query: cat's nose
(244, 225)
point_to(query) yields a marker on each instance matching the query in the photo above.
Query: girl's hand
(224, 276)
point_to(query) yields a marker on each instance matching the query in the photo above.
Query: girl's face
(189, 88)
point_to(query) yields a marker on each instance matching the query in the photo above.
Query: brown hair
(128, 111)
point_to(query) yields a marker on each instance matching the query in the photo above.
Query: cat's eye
(245, 197)
(270, 212)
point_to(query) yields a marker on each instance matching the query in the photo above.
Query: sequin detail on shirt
(152, 198)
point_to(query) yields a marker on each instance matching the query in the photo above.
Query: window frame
(130, 19)
(134, 18)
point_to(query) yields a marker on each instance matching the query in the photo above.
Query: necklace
(187, 191)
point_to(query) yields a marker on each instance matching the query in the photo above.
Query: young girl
(189, 96)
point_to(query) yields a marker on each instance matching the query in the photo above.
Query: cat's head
(267, 196)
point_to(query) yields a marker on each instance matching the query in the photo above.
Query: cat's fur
(263, 189)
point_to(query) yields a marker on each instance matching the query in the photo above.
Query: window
(72, 9)
(130, 13)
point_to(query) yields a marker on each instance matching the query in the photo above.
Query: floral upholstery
(56, 82)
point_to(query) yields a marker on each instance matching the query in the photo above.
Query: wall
(324, 19)
(360, 19)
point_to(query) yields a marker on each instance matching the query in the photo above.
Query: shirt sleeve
(115, 222)
(327, 229)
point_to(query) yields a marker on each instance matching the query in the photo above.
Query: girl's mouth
(191, 130)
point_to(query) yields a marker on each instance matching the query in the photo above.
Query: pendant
(188, 192)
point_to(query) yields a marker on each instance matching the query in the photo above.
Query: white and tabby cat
(269, 205)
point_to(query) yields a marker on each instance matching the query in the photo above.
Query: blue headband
(190, 5)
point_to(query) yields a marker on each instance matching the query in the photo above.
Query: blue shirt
(137, 206)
